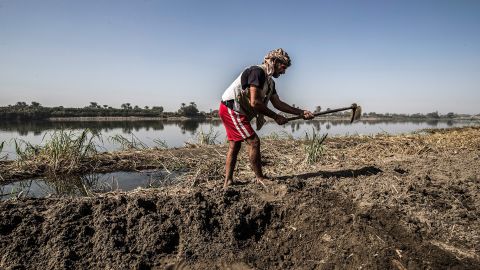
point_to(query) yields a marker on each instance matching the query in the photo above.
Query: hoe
(356, 112)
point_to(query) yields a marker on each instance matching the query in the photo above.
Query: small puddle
(86, 185)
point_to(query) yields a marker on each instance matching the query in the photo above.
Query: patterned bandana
(272, 57)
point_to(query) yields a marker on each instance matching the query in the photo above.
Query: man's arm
(284, 107)
(257, 103)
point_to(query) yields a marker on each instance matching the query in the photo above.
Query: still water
(177, 133)
(86, 185)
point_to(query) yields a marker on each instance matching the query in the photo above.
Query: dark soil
(399, 210)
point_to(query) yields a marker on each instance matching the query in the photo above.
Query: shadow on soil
(365, 171)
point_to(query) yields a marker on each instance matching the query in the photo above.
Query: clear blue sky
(388, 56)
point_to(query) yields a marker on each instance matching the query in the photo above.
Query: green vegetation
(207, 138)
(134, 143)
(1, 149)
(128, 144)
(160, 144)
(433, 115)
(22, 111)
(314, 148)
(188, 111)
(283, 135)
(25, 150)
(63, 152)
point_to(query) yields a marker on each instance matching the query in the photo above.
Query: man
(247, 98)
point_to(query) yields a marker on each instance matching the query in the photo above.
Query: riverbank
(386, 202)
(128, 118)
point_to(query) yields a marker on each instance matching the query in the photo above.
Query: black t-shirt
(256, 76)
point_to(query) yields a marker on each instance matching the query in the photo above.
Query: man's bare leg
(234, 148)
(256, 158)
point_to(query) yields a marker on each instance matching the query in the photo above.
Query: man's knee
(235, 146)
(254, 141)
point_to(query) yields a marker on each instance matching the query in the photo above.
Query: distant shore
(182, 118)
(128, 118)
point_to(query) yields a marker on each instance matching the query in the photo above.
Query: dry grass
(383, 147)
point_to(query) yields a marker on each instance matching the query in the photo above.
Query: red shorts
(237, 125)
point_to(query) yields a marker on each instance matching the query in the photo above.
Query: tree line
(431, 115)
(35, 111)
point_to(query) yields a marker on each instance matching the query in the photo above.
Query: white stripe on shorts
(242, 126)
(235, 123)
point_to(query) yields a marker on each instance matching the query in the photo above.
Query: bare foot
(228, 182)
(264, 181)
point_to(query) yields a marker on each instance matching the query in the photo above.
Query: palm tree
(35, 104)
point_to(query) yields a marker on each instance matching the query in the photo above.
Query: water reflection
(191, 126)
(38, 127)
(87, 185)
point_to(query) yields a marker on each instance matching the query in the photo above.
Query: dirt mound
(294, 225)
(392, 211)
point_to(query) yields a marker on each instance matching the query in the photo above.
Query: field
(360, 202)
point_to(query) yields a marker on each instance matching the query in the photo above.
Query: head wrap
(275, 56)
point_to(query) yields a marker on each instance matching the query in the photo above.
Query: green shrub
(314, 147)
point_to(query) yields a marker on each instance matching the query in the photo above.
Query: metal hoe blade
(356, 112)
